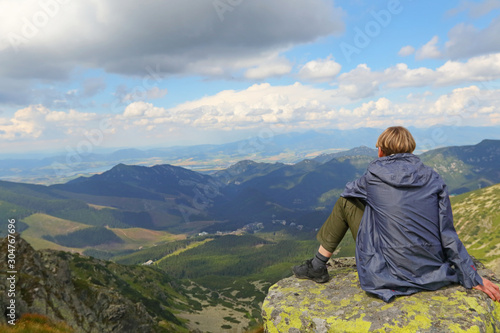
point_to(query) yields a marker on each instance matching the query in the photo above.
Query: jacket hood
(401, 170)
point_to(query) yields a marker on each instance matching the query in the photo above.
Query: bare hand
(490, 289)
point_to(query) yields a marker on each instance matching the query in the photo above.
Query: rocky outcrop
(340, 305)
(44, 284)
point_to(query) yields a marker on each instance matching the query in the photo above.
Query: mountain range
(268, 146)
(178, 200)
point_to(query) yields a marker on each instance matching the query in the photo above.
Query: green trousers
(346, 214)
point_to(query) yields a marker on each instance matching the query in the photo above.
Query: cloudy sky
(118, 73)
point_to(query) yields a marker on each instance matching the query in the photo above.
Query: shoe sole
(316, 279)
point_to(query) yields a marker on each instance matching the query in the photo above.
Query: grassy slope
(454, 171)
(134, 238)
(477, 220)
(145, 237)
(42, 224)
(190, 246)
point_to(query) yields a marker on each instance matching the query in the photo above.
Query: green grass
(477, 220)
(453, 170)
(160, 251)
(43, 224)
(87, 237)
(188, 247)
(39, 225)
(145, 237)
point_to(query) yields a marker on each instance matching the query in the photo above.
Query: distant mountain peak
(244, 163)
(358, 151)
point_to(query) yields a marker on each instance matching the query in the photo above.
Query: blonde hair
(396, 140)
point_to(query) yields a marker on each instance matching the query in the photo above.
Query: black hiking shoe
(306, 271)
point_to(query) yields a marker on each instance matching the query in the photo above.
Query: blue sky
(87, 75)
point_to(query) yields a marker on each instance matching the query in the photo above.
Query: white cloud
(320, 70)
(143, 109)
(465, 40)
(178, 36)
(468, 102)
(71, 117)
(406, 51)
(35, 121)
(27, 122)
(304, 107)
(136, 109)
(362, 82)
(359, 83)
(476, 9)
(283, 108)
(418, 97)
(277, 67)
(429, 50)
(259, 104)
(481, 68)
(400, 76)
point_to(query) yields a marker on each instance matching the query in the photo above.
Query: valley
(222, 238)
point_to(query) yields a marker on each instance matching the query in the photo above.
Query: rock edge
(340, 305)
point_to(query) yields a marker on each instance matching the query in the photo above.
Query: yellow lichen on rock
(357, 325)
(294, 306)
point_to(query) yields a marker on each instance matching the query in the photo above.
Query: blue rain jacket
(406, 241)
